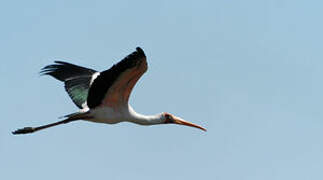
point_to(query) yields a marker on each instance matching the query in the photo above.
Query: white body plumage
(126, 113)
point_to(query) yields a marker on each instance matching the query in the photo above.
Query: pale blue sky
(251, 72)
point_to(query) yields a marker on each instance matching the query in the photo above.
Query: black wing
(77, 80)
(113, 86)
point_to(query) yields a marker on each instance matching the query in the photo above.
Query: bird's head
(171, 119)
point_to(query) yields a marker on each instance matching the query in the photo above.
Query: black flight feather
(76, 79)
(63, 71)
(105, 80)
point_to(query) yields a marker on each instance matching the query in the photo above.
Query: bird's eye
(168, 118)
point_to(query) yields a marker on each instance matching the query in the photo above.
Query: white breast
(109, 115)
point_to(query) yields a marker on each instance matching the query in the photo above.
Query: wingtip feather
(140, 51)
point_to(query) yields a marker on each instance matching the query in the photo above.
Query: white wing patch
(84, 105)
(94, 76)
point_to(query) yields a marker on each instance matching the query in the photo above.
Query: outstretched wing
(113, 86)
(77, 80)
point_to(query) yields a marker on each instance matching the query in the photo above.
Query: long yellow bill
(180, 121)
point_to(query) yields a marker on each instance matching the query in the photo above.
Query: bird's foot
(24, 130)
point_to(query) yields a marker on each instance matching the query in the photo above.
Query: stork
(103, 96)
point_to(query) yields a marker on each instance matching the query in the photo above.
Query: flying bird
(103, 97)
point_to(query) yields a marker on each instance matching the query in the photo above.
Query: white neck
(145, 119)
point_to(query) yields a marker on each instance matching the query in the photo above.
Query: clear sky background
(249, 71)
